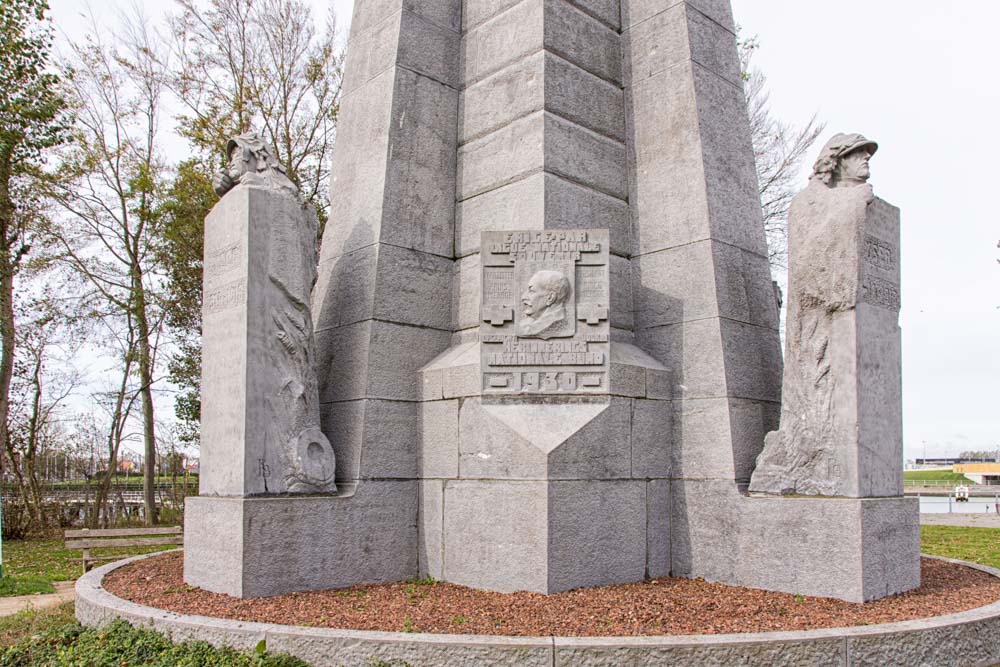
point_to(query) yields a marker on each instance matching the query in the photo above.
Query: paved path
(961, 519)
(11, 605)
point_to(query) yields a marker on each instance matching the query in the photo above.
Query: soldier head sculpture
(543, 305)
(843, 162)
(250, 160)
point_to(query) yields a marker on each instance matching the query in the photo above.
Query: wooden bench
(86, 539)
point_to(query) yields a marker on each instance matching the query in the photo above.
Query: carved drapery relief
(307, 459)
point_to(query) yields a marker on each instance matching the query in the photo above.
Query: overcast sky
(919, 77)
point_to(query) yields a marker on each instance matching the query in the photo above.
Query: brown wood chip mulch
(658, 607)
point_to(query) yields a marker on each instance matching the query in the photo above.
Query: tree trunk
(146, 391)
(7, 270)
(30, 455)
(34, 499)
(101, 497)
(6, 341)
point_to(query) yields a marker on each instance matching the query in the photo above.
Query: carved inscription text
(225, 297)
(880, 258)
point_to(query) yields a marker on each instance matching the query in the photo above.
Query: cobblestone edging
(965, 639)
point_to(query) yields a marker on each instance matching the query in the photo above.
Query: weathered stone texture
(950, 645)
(593, 653)
(541, 140)
(261, 419)
(465, 118)
(430, 528)
(495, 534)
(596, 533)
(703, 301)
(320, 649)
(541, 201)
(540, 81)
(852, 549)
(283, 545)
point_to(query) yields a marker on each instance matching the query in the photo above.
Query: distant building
(980, 473)
(945, 462)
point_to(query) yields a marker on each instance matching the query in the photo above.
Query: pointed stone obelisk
(552, 130)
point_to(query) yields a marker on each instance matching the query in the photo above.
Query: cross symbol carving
(498, 315)
(592, 313)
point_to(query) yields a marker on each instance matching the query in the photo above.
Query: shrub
(16, 519)
(121, 644)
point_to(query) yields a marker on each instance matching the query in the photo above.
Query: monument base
(266, 546)
(545, 493)
(545, 536)
(854, 549)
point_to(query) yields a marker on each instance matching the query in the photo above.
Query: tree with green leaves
(260, 65)
(32, 121)
(185, 204)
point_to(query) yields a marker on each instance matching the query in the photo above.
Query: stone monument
(841, 415)
(546, 332)
(260, 394)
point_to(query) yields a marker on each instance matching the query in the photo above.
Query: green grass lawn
(25, 586)
(976, 545)
(48, 560)
(935, 476)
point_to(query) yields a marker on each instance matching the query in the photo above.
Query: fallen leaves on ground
(664, 606)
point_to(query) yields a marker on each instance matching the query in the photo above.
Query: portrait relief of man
(543, 306)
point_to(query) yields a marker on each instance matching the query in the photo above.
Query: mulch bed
(658, 607)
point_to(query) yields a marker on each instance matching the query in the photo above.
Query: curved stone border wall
(964, 639)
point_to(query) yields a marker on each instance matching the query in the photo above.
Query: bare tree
(260, 64)
(779, 149)
(44, 377)
(108, 187)
(117, 402)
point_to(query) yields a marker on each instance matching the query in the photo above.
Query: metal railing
(949, 483)
(973, 505)
(72, 504)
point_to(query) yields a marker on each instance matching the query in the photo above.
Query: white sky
(920, 78)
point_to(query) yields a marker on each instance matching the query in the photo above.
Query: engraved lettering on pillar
(223, 260)
(225, 297)
(879, 262)
(544, 316)
(498, 296)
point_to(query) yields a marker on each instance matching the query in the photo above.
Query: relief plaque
(544, 312)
